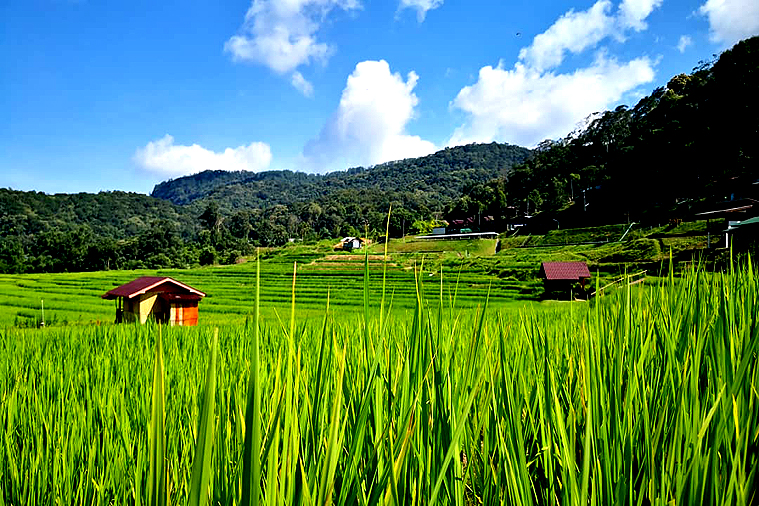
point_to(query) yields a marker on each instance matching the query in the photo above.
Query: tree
(12, 258)
(211, 219)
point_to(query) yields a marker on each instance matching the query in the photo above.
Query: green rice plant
(645, 396)
(157, 491)
(251, 469)
(202, 463)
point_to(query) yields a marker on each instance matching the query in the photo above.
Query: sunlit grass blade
(334, 443)
(157, 491)
(251, 467)
(202, 463)
(384, 268)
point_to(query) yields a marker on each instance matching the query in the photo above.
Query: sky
(100, 96)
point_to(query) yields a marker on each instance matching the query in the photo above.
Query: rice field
(644, 397)
(74, 298)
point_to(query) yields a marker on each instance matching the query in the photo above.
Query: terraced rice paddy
(645, 397)
(74, 298)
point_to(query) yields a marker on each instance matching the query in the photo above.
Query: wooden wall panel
(190, 315)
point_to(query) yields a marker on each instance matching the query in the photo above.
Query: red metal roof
(150, 284)
(565, 270)
(176, 297)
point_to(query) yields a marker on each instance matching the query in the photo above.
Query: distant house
(469, 235)
(564, 279)
(746, 235)
(469, 224)
(164, 299)
(723, 219)
(349, 243)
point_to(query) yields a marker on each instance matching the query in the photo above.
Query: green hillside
(437, 177)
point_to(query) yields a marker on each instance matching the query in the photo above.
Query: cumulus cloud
(166, 159)
(421, 7)
(301, 84)
(369, 125)
(282, 35)
(633, 13)
(575, 32)
(731, 20)
(683, 43)
(524, 106)
(531, 102)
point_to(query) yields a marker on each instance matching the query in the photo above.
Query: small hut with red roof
(565, 278)
(161, 298)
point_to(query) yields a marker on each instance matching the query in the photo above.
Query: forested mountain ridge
(682, 149)
(114, 214)
(440, 176)
(86, 231)
(188, 189)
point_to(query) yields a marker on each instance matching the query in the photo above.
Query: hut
(565, 279)
(349, 244)
(163, 299)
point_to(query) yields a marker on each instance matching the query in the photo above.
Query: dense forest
(684, 148)
(436, 178)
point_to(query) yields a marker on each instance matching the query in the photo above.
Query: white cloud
(369, 125)
(421, 7)
(731, 20)
(301, 84)
(166, 159)
(532, 102)
(282, 34)
(574, 32)
(633, 13)
(683, 43)
(524, 106)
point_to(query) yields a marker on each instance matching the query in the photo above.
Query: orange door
(190, 315)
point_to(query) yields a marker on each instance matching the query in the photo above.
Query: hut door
(163, 312)
(177, 314)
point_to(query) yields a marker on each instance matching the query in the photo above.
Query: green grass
(74, 298)
(645, 397)
(697, 227)
(604, 233)
(462, 248)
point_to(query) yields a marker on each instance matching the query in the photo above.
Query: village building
(349, 243)
(565, 280)
(162, 299)
(458, 236)
(722, 221)
(746, 235)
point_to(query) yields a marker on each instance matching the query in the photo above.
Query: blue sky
(120, 96)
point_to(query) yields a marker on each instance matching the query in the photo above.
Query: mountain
(113, 214)
(438, 177)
